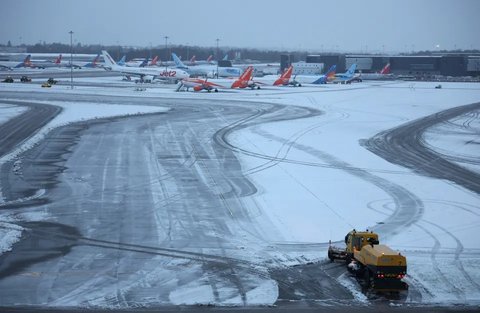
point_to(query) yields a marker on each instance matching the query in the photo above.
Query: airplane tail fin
(154, 61)
(58, 60)
(122, 60)
(243, 80)
(192, 60)
(178, 62)
(225, 58)
(25, 63)
(352, 69)
(285, 77)
(331, 71)
(95, 60)
(247, 74)
(329, 76)
(386, 69)
(144, 62)
(108, 59)
(209, 59)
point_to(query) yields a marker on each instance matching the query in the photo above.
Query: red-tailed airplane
(198, 84)
(244, 81)
(383, 74)
(271, 80)
(27, 62)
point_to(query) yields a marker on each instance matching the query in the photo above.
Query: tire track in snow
(408, 207)
(404, 145)
(436, 248)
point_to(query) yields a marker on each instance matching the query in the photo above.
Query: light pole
(218, 56)
(166, 52)
(187, 52)
(71, 59)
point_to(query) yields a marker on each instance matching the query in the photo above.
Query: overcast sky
(313, 25)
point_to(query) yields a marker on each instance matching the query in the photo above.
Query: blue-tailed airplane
(94, 62)
(347, 77)
(121, 62)
(329, 76)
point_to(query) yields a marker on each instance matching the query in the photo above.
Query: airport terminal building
(455, 65)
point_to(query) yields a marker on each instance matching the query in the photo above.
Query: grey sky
(353, 25)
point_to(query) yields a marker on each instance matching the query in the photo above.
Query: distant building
(285, 61)
(328, 60)
(415, 65)
(412, 65)
(473, 65)
(304, 68)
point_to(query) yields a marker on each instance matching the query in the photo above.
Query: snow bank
(9, 232)
(353, 287)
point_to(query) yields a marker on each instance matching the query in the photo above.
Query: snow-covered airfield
(301, 172)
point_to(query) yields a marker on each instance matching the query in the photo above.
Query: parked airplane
(383, 74)
(348, 77)
(58, 63)
(209, 60)
(198, 84)
(317, 79)
(274, 80)
(191, 62)
(27, 62)
(284, 79)
(94, 62)
(171, 75)
(207, 70)
(244, 81)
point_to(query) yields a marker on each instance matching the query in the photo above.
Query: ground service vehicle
(46, 85)
(380, 267)
(52, 81)
(8, 79)
(25, 79)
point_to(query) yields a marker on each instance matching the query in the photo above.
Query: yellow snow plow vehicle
(380, 267)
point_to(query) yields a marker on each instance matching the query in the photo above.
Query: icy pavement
(248, 188)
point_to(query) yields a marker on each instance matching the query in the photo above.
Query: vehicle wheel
(330, 256)
(258, 87)
(366, 277)
(216, 90)
(299, 85)
(348, 260)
